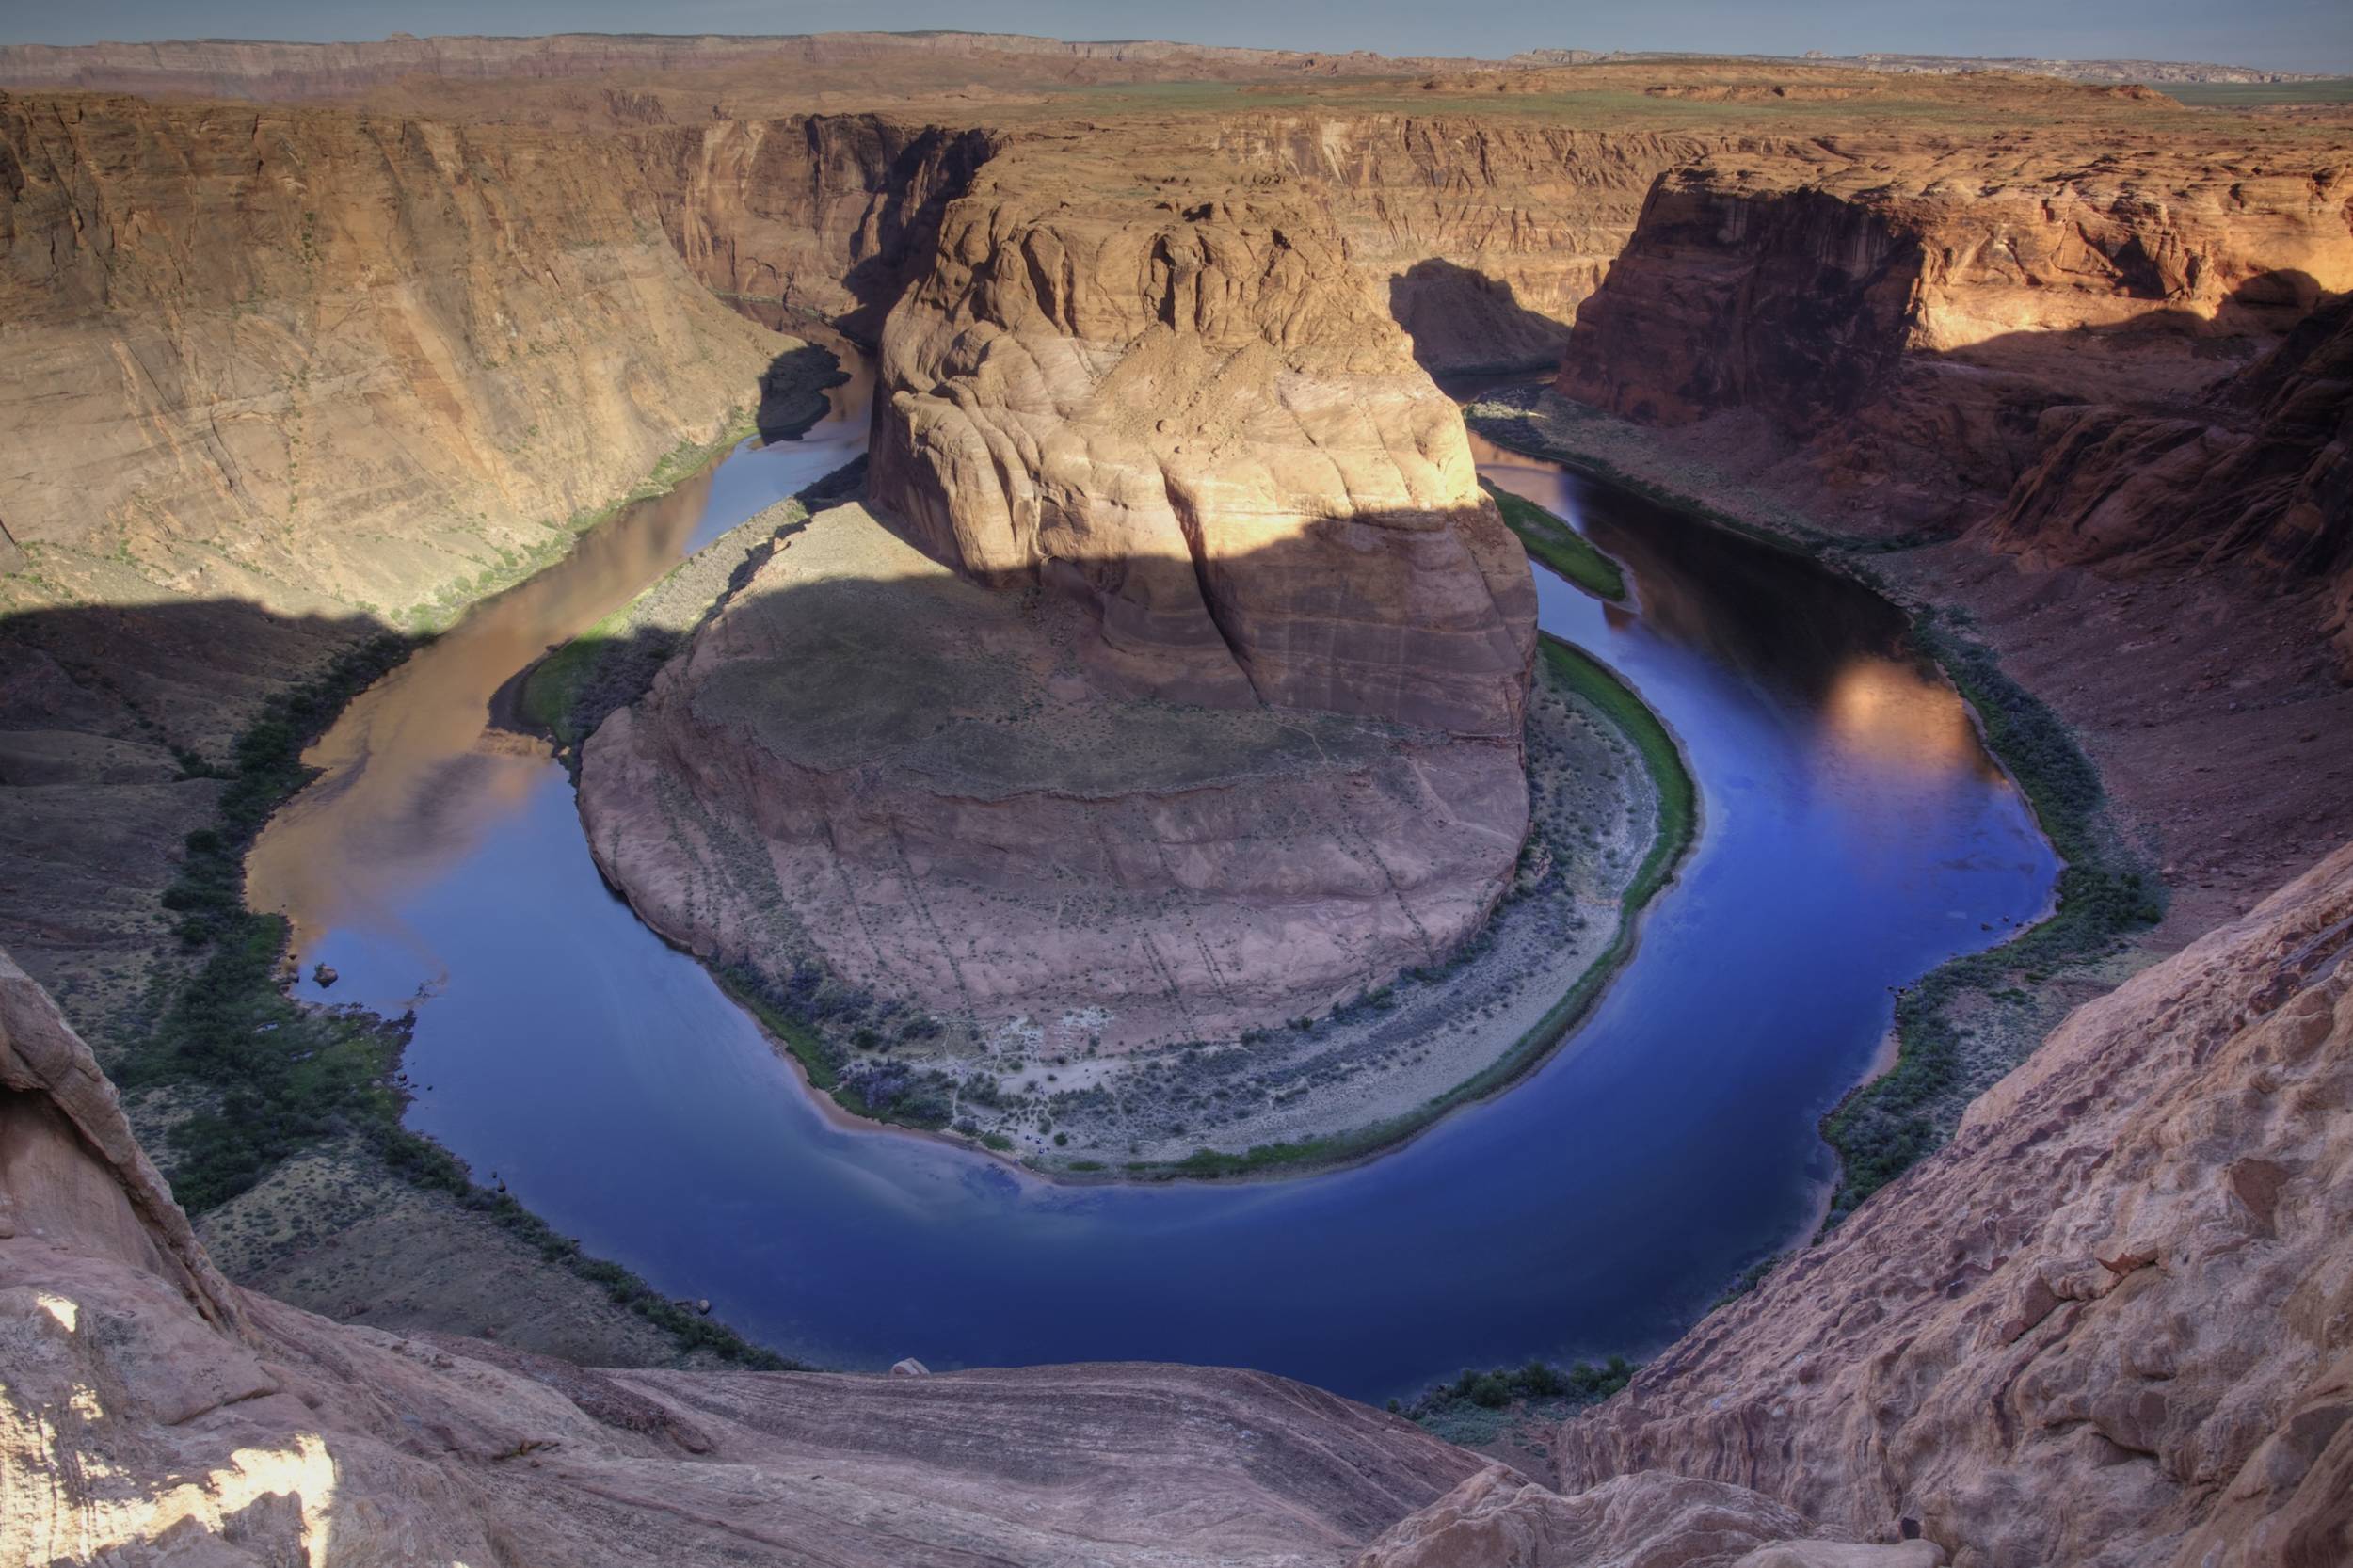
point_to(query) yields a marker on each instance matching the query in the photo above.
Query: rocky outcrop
(1908, 311)
(1498, 1516)
(1199, 617)
(1183, 410)
(2260, 471)
(2107, 1324)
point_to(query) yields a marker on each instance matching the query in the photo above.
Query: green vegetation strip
(1553, 541)
(2105, 891)
(1678, 823)
(1472, 1408)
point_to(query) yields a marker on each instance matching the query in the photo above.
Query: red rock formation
(1908, 311)
(1183, 409)
(2107, 1324)
(2260, 471)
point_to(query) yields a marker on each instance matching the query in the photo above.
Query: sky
(2292, 35)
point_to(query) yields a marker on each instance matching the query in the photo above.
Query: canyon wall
(1914, 308)
(2260, 470)
(2005, 338)
(1484, 234)
(829, 215)
(315, 360)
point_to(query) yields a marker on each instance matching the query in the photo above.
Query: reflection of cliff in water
(425, 763)
(1821, 644)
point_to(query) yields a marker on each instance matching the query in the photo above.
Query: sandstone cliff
(306, 358)
(1912, 308)
(2261, 471)
(1181, 407)
(2107, 1324)
(1484, 234)
(827, 215)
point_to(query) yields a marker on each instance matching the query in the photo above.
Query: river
(1854, 834)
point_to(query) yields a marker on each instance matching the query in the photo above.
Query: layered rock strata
(1484, 234)
(309, 359)
(868, 766)
(827, 216)
(1910, 311)
(1187, 696)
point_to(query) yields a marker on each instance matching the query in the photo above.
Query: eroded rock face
(827, 215)
(1484, 235)
(1909, 310)
(2107, 1324)
(1652, 1519)
(1183, 409)
(938, 792)
(2260, 470)
(320, 361)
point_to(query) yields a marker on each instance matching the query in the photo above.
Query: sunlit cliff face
(1885, 713)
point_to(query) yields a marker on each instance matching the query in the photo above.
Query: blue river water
(1854, 834)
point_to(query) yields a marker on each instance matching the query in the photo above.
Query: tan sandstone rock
(150, 1415)
(1183, 409)
(2108, 1324)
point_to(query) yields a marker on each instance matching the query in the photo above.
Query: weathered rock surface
(1483, 235)
(309, 359)
(1651, 1519)
(931, 787)
(2108, 1323)
(827, 215)
(2260, 471)
(1891, 300)
(1184, 410)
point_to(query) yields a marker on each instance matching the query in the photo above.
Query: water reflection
(432, 760)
